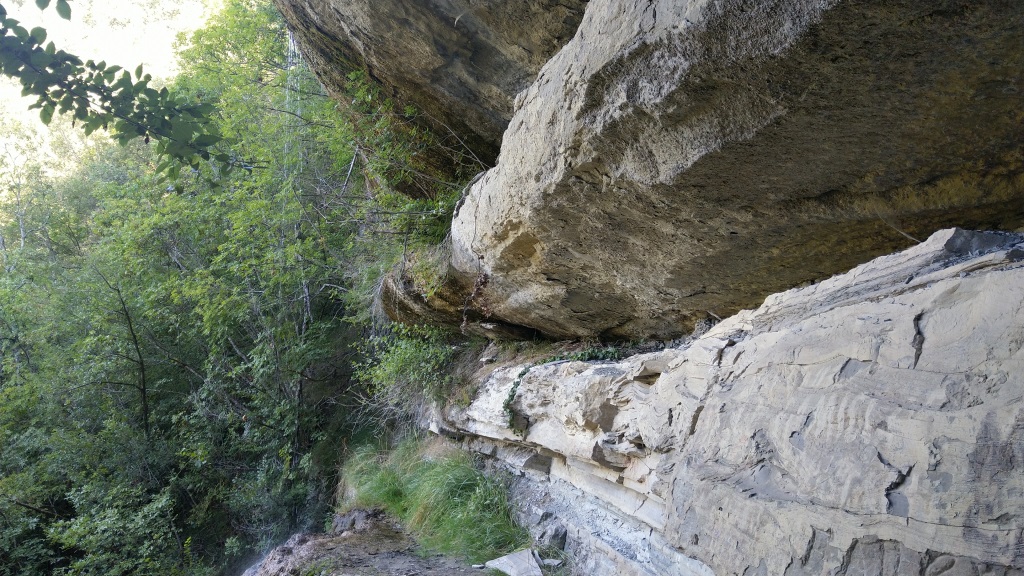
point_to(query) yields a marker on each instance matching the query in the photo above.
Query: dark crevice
(694, 419)
(897, 503)
(918, 341)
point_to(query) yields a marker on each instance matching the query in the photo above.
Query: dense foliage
(176, 379)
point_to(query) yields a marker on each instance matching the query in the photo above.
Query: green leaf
(182, 132)
(40, 59)
(178, 150)
(206, 140)
(42, 4)
(64, 9)
(138, 72)
(123, 83)
(203, 110)
(38, 34)
(46, 114)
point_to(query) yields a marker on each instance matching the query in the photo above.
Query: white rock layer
(870, 424)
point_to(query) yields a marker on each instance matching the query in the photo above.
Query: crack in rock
(918, 341)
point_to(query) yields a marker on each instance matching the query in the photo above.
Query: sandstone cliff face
(461, 62)
(679, 157)
(869, 424)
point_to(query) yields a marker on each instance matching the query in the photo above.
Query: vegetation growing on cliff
(451, 505)
(176, 375)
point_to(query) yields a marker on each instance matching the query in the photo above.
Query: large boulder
(870, 424)
(680, 158)
(460, 62)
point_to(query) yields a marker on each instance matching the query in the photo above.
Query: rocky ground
(364, 544)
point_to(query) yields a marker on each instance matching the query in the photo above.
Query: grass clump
(450, 505)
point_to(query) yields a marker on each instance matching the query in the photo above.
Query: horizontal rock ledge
(871, 423)
(677, 159)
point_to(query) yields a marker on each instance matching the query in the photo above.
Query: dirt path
(374, 546)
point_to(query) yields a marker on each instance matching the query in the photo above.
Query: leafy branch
(101, 96)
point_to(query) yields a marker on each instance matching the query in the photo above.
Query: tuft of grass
(450, 505)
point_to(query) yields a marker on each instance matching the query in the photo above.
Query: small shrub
(408, 363)
(427, 267)
(596, 352)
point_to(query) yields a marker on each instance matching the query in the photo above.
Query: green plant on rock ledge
(408, 360)
(318, 568)
(449, 504)
(596, 352)
(427, 267)
(407, 367)
(516, 421)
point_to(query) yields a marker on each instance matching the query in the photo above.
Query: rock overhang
(674, 160)
(678, 159)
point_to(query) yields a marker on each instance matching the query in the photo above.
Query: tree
(175, 372)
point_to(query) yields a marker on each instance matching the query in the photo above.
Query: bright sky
(127, 33)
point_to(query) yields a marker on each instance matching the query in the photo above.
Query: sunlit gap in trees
(128, 33)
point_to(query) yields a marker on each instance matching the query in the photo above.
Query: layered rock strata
(683, 157)
(460, 62)
(869, 424)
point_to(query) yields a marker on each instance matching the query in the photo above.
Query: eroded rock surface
(679, 157)
(869, 424)
(461, 62)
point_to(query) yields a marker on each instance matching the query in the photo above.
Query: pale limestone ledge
(873, 421)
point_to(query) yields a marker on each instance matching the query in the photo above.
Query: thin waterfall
(293, 105)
